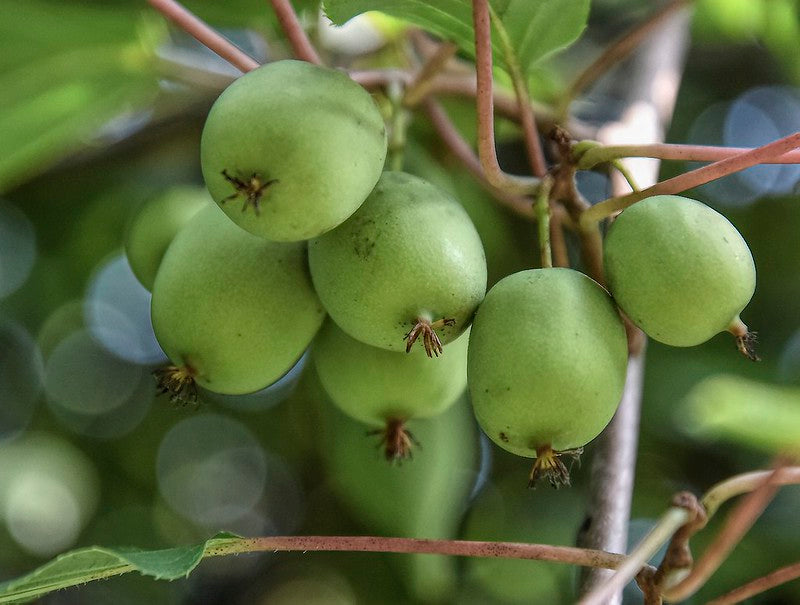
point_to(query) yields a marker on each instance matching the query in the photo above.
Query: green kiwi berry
(407, 266)
(291, 149)
(156, 224)
(386, 389)
(680, 270)
(547, 363)
(232, 311)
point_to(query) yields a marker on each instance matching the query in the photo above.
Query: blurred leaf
(734, 408)
(94, 563)
(537, 28)
(57, 104)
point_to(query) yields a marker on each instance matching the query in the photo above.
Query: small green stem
(542, 208)
(621, 168)
(398, 125)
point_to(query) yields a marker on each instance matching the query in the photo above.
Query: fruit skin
(410, 251)
(375, 385)
(313, 130)
(238, 309)
(547, 361)
(680, 270)
(156, 224)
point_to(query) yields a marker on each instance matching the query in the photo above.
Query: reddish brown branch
(485, 105)
(759, 585)
(301, 45)
(695, 178)
(462, 548)
(736, 526)
(203, 33)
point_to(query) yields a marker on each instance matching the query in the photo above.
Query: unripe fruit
(231, 310)
(291, 149)
(547, 362)
(385, 388)
(156, 224)
(680, 271)
(407, 264)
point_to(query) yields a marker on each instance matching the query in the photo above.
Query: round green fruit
(231, 310)
(680, 271)
(156, 224)
(407, 265)
(385, 388)
(291, 149)
(546, 367)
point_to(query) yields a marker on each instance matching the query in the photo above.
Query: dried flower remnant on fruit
(430, 340)
(548, 465)
(251, 189)
(745, 339)
(397, 441)
(179, 382)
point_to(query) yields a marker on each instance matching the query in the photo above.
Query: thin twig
(450, 136)
(485, 105)
(736, 526)
(695, 178)
(301, 45)
(558, 244)
(759, 585)
(463, 548)
(204, 34)
(669, 523)
(542, 208)
(423, 82)
(617, 51)
(745, 483)
(671, 151)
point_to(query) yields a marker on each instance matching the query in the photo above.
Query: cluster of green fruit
(293, 154)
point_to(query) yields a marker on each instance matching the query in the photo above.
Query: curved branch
(203, 33)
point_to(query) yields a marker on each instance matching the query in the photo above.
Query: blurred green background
(101, 109)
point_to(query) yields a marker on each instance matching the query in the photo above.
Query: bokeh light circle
(82, 377)
(117, 313)
(211, 469)
(17, 248)
(21, 376)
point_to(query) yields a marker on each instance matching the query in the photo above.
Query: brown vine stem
(670, 151)
(616, 52)
(669, 523)
(694, 178)
(301, 45)
(203, 33)
(676, 517)
(464, 548)
(759, 585)
(421, 86)
(485, 105)
(736, 526)
(450, 136)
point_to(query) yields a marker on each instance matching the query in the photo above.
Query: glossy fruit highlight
(547, 362)
(291, 149)
(680, 270)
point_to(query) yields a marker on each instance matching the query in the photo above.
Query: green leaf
(537, 28)
(94, 563)
(756, 414)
